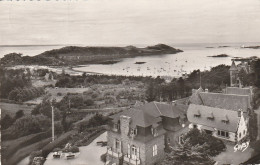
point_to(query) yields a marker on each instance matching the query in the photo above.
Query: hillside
(74, 55)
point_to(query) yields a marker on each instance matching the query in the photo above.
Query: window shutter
(138, 152)
(155, 149)
(120, 146)
(128, 150)
(114, 144)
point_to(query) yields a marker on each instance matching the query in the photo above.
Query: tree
(214, 146)
(6, 122)
(30, 124)
(150, 92)
(188, 154)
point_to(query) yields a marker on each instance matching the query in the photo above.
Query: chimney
(239, 113)
(206, 90)
(173, 102)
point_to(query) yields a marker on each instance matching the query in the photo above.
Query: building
(222, 123)
(234, 71)
(224, 115)
(141, 134)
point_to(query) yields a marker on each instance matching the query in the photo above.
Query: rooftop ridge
(225, 94)
(157, 108)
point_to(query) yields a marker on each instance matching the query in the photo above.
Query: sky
(129, 22)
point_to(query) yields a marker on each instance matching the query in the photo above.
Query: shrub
(89, 102)
(103, 157)
(34, 154)
(59, 94)
(213, 146)
(6, 122)
(19, 114)
(74, 149)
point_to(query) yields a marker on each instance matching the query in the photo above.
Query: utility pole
(200, 78)
(52, 122)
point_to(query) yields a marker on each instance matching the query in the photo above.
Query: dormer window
(116, 127)
(154, 131)
(197, 114)
(225, 120)
(133, 132)
(210, 116)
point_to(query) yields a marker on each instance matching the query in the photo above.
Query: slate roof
(150, 113)
(221, 100)
(238, 91)
(219, 115)
(233, 67)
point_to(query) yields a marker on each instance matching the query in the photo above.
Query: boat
(56, 155)
(70, 156)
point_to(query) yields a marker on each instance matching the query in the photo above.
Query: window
(155, 150)
(223, 134)
(244, 132)
(197, 115)
(210, 118)
(116, 127)
(154, 131)
(225, 121)
(133, 131)
(134, 152)
(117, 144)
(240, 135)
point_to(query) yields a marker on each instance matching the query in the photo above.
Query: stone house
(234, 71)
(224, 115)
(222, 123)
(141, 134)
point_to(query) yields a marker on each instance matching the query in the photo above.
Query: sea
(194, 56)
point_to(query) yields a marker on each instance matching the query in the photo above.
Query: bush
(34, 154)
(89, 102)
(74, 149)
(30, 124)
(103, 157)
(19, 114)
(213, 146)
(6, 122)
(59, 94)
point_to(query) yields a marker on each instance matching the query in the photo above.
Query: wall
(232, 135)
(242, 126)
(145, 148)
(149, 158)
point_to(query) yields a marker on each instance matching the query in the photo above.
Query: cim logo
(241, 147)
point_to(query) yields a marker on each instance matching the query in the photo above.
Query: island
(140, 62)
(220, 55)
(223, 46)
(75, 55)
(252, 47)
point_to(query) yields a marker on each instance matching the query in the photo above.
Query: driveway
(89, 155)
(231, 157)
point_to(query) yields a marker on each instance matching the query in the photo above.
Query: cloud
(129, 21)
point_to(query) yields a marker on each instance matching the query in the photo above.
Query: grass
(23, 152)
(11, 109)
(63, 91)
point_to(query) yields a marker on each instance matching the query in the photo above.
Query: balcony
(130, 160)
(113, 153)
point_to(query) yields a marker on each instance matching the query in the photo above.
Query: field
(11, 109)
